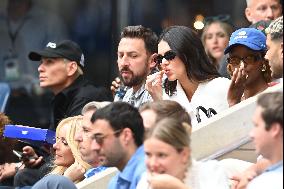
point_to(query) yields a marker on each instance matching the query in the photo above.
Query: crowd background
(95, 25)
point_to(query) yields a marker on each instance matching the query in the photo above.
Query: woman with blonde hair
(168, 142)
(68, 161)
(215, 38)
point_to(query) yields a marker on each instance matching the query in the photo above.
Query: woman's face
(175, 68)
(163, 158)
(216, 40)
(252, 63)
(63, 153)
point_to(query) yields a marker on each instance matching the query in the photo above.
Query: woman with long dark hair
(191, 79)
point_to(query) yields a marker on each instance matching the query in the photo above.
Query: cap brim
(248, 45)
(36, 56)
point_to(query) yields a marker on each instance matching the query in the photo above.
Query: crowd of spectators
(141, 124)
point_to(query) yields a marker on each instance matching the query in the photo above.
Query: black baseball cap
(63, 49)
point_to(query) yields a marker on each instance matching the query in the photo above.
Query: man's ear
(276, 130)
(127, 136)
(248, 14)
(152, 60)
(72, 68)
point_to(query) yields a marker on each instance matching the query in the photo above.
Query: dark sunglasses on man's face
(99, 137)
(169, 55)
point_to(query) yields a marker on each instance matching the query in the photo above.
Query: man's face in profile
(258, 10)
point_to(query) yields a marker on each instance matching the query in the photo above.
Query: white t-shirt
(210, 94)
(200, 175)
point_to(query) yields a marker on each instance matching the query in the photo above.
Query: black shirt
(72, 99)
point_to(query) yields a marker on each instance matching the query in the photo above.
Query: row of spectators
(174, 66)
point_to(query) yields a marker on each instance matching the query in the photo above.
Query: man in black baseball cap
(64, 49)
(61, 71)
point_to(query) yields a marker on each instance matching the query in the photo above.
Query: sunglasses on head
(169, 55)
(222, 18)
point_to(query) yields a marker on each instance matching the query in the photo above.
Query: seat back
(226, 135)
(99, 180)
(5, 91)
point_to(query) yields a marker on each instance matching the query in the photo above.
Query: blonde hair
(228, 30)
(72, 123)
(172, 132)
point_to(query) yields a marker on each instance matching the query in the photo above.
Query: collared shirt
(272, 178)
(93, 171)
(132, 172)
(72, 99)
(137, 98)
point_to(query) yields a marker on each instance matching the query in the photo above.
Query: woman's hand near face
(154, 85)
(237, 87)
(165, 181)
(75, 172)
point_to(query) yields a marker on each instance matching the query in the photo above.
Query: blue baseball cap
(249, 37)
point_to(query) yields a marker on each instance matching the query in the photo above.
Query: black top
(72, 99)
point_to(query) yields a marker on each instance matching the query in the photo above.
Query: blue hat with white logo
(249, 37)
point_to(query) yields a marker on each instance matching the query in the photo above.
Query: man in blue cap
(246, 64)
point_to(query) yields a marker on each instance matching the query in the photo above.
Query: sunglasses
(99, 137)
(169, 55)
(251, 59)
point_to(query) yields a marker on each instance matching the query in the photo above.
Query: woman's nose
(55, 145)
(164, 62)
(153, 164)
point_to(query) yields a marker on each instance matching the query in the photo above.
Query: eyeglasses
(169, 55)
(251, 59)
(99, 137)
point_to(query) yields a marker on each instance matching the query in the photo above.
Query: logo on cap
(241, 34)
(82, 60)
(51, 45)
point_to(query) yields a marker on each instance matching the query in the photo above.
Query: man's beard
(135, 79)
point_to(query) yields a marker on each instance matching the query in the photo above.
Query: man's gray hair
(275, 29)
(94, 105)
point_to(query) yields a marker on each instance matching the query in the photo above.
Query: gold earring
(263, 69)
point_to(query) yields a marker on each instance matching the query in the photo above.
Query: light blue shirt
(93, 171)
(132, 172)
(271, 178)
